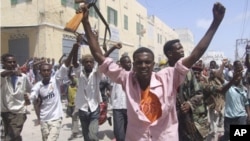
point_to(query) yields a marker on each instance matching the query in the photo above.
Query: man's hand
(26, 99)
(218, 12)
(17, 72)
(79, 38)
(185, 107)
(85, 10)
(118, 46)
(225, 62)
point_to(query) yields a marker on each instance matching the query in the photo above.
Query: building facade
(187, 39)
(35, 28)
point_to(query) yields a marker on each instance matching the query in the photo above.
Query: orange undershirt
(150, 105)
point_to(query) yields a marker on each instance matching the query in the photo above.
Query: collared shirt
(164, 85)
(12, 99)
(51, 107)
(236, 100)
(118, 97)
(88, 94)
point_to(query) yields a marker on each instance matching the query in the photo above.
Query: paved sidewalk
(32, 133)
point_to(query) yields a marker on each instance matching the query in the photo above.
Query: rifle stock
(74, 23)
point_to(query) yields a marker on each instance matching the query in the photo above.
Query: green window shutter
(13, 2)
(64, 2)
(108, 15)
(76, 6)
(126, 22)
(98, 6)
(91, 12)
(115, 14)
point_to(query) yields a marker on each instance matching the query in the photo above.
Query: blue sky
(196, 15)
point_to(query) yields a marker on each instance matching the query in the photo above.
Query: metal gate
(19, 47)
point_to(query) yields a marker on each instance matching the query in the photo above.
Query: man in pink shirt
(151, 96)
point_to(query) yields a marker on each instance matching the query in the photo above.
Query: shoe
(110, 121)
(73, 136)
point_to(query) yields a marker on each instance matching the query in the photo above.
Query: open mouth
(143, 72)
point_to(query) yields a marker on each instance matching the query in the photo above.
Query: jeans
(90, 124)
(120, 123)
(13, 125)
(234, 121)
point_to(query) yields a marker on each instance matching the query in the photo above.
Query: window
(139, 29)
(126, 22)
(70, 3)
(14, 2)
(112, 16)
(159, 38)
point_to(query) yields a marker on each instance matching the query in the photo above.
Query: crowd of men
(185, 100)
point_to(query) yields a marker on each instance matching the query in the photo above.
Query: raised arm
(218, 15)
(236, 76)
(73, 53)
(60, 60)
(93, 43)
(116, 46)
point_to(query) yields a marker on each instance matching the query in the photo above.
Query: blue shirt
(236, 100)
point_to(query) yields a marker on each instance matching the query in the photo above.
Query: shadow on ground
(108, 133)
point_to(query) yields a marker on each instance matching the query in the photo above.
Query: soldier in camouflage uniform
(215, 101)
(200, 112)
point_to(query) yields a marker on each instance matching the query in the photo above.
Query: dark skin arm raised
(73, 52)
(116, 46)
(237, 74)
(93, 43)
(218, 15)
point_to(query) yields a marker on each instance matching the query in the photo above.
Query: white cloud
(203, 23)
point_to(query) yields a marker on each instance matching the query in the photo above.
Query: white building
(217, 56)
(35, 28)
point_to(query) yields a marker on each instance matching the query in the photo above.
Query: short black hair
(143, 49)
(123, 58)
(169, 45)
(236, 63)
(44, 64)
(5, 56)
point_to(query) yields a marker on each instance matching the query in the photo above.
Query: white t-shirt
(51, 107)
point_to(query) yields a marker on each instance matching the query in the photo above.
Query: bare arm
(237, 74)
(11, 73)
(116, 46)
(73, 52)
(60, 60)
(93, 43)
(218, 14)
